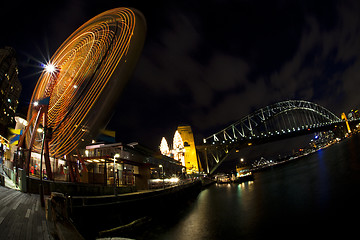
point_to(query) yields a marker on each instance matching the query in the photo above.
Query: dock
(21, 216)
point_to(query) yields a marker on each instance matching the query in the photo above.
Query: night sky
(206, 63)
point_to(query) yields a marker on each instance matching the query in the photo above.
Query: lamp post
(162, 173)
(115, 156)
(41, 187)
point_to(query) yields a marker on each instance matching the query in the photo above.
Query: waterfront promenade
(21, 216)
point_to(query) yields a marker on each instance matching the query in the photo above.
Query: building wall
(10, 89)
(187, 136)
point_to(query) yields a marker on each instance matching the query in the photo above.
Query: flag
(106, 136)
(15, 136)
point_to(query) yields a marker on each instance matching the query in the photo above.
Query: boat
(244, 177)
(223, 179)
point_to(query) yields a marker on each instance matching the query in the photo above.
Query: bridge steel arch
(277, 121)
(279, 118)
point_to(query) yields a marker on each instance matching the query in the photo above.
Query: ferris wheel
(80, 84)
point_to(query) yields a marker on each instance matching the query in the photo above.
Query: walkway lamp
(41, 187)
(115, 156)
(162, 173)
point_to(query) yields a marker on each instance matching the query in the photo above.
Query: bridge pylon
(191, 161)
(343, 116)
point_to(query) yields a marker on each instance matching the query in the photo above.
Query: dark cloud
(226, 72)
(325, 67)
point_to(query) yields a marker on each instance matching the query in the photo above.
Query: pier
(21, 216)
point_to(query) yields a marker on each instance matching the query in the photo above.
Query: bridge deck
(21, 216)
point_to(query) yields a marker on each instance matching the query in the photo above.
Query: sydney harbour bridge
(274, 122)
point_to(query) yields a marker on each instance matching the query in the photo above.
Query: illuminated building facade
(178, 148)
(353, 115)
(134, 165)
(183, 149)
(164, 147)
(10, 88)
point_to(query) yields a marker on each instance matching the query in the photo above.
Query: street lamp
(115, 156)
(41, 187)
(162, 173)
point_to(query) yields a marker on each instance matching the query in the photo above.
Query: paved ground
(21, 216)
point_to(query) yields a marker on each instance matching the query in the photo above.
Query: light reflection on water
(317, 195)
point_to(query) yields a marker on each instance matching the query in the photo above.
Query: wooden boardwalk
(21, 216)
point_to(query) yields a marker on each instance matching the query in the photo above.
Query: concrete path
(21, 216)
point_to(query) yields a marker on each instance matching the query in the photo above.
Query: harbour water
(316, 196)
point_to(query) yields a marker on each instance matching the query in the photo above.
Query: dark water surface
(316, 196)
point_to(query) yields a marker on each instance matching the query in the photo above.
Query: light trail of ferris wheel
(85, 75)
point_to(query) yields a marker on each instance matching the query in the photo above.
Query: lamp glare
(50, 68)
